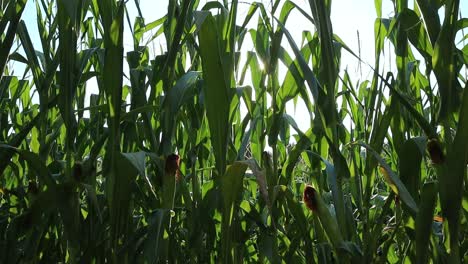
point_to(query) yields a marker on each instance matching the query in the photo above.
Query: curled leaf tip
(384, 172)
(388, 179)
(310, 198)
(435, 151)
(172, 165)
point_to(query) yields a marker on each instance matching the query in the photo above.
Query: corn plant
(119, 154)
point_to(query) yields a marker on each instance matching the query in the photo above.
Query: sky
(348, 18)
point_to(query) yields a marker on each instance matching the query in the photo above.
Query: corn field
(187, 153)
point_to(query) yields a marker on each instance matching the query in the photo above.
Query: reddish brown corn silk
(435, 151)
(172, 165)
(310, 198)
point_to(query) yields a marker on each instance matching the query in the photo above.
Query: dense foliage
(190, 155)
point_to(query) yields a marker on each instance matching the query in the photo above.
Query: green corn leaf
(402, 191)
(13, 16)
(410, 157)
(36, 164)
(216, 89)
(424, 220)
(231, 188)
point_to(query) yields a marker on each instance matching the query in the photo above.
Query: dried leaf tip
(388, 179)
(435, 151)
(310, 198)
